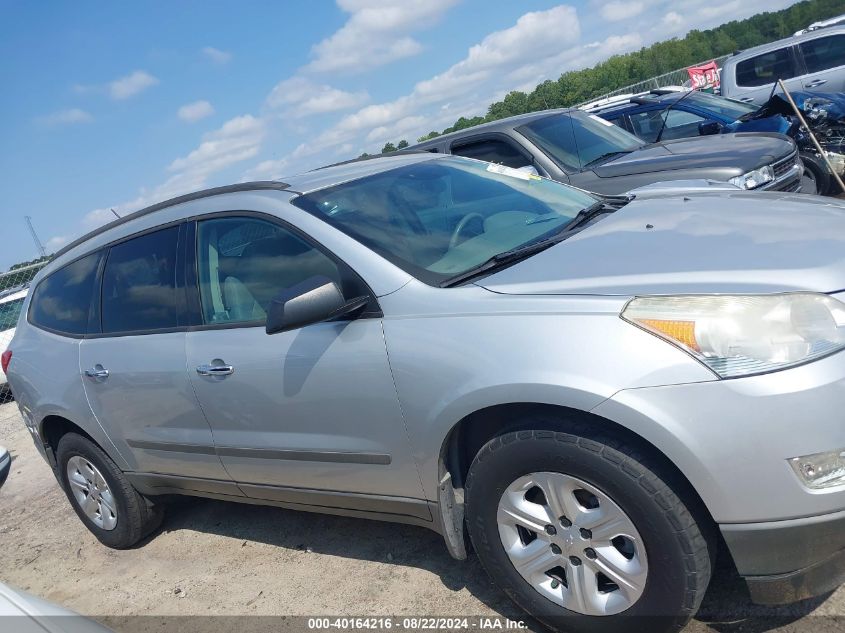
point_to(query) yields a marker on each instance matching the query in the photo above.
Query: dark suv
(586, 151)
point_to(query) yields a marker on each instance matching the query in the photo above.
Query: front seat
(239, 301)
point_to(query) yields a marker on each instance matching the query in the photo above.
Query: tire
(671, 553)
(133, 516)
(817, 171)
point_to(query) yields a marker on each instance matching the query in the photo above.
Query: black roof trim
(259, 185)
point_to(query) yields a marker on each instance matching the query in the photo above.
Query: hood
(699, 243)
(776, 123)
(743, 152)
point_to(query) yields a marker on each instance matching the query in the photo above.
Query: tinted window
(577, 141)
(766, 68)
(9, 313)
(244, 263)
(493, 151)
(824, 53)
(139, 283)
(62, 300)
(443, 216)
(679, 124)
(719, 105)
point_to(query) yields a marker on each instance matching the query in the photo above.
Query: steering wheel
(462, 224)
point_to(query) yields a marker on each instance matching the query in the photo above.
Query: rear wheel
(117, 514)
(584, 534)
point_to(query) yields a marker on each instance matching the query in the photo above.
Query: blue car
(666, 114)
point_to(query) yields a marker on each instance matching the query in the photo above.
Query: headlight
(754, 179)
(743, 335)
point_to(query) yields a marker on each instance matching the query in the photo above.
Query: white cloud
(620, 10)
(672, 19)
(216, 55)
(536, 41)
(131, 85)
(65, 117)
(55, 243)
(375, 34)
(304, 97)
(193, 112)
(266, 170)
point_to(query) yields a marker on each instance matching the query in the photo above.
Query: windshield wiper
(500, 260)
(606, 156)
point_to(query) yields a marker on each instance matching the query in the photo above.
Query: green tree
(388, 147)
(402, 144)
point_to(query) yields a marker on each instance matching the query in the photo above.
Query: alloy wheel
(91, 492)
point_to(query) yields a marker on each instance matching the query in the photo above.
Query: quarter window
(823, 53)
(139, 284)
(766, 68)
(62, 301)
(244, 263)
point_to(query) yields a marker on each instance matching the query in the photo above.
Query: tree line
(578, 86)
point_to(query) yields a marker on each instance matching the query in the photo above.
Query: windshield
(576, 140)
(728, 108)
(440, 218)
(9, 313)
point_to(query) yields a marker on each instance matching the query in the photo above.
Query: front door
(134, 371)
(313, 408)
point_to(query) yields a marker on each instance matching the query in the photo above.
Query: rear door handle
(747, 99)
(215, 370)
(98, 373)
(816, 83)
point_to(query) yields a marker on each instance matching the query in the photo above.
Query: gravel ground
(214, 558)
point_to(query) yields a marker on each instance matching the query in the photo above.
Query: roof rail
(196, 195)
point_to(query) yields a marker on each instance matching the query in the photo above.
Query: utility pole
(35, 239)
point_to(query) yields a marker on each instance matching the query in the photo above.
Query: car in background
(813, 62)
(586, 151)
(11, 302)
(823, 24)
(21, 612)
(669, 113)
(5, 464)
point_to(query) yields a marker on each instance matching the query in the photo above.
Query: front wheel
(585, 536)
(117, 514)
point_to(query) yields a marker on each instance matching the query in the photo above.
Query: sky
(120, 105)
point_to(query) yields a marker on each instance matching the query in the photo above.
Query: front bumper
(732, 439)
(787, 561)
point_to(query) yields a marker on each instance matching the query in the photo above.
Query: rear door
(133, 366)
(824, 63)
(313, 408)
(756, 76)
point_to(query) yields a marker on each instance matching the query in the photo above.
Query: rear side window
(139, 284)
(9, 313)
(62, 301)
(493, 151)
(766, 68)
(823, 53)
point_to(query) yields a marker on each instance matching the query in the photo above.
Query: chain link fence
(678, 77)
(14, 286)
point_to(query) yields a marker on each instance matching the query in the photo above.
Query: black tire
(137, 517)
(680, 549)
(817, 171)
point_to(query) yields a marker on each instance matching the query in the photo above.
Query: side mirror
(706, 128)
(314, 300)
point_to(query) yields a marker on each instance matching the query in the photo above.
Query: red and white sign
(704, 77)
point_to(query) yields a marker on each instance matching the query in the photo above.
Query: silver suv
(813, 62)
(596, 390)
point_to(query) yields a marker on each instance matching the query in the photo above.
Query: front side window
(823, 53)
(243, 263)
(765, 69)
(493, 151)
(665, 124)
(441, 217)
(62, 301)
(578, 141)
(139, 284)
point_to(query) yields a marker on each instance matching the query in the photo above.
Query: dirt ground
(214, 558)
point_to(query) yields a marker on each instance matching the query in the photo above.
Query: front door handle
(98, 373)
(215, 370)
(747, 99)
(816, 83)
